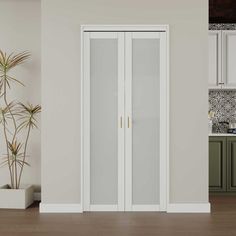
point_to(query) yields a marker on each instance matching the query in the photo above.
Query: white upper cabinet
(222, 59)
(229, 58)
(214, 59)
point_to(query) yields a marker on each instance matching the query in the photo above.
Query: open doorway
(222, 103)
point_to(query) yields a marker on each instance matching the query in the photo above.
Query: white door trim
(164, 122)
(124, 28)
(164, 187)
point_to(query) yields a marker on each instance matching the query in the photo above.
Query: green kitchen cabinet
(231, 164)
(217, 164)
(222, 164)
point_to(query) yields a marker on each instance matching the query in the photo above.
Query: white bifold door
(124, 135)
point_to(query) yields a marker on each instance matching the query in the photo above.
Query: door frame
(164, 157)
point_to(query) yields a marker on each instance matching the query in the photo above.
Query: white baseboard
(37, 196)
(189, 208)
(171, 208)
(60, 208)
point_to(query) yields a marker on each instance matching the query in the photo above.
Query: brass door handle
(121, 122)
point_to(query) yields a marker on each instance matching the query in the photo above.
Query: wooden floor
(221, 222)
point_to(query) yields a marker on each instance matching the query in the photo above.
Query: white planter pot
(16, 198)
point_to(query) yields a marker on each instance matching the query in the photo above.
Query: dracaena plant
(17, 119)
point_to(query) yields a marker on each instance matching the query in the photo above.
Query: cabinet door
(231, 164)
(229, 58)
(214, 59)
(217, 164)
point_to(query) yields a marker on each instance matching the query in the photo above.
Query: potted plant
(17, 120)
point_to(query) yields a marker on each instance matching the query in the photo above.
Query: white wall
(20, 30)
(61, 20)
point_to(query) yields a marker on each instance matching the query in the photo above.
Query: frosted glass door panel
(145, 120)
(103, 121)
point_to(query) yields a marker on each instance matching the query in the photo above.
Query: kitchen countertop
(221, 134)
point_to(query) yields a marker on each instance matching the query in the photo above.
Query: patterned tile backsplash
(223, 103)
(222, 26)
